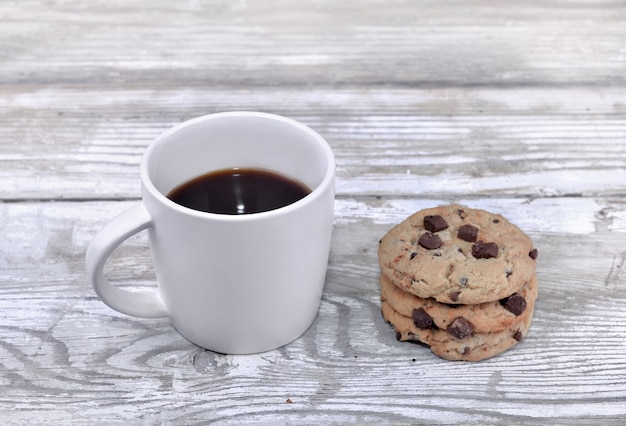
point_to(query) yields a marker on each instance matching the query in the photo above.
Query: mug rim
(315, 193)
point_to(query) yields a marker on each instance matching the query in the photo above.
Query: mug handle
(146, 304)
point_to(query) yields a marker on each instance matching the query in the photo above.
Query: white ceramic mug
(233, 284)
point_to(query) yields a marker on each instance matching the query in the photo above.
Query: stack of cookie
(460, 280)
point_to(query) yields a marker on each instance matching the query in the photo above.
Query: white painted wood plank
(67, 357)
(278, 42)
(86, 143)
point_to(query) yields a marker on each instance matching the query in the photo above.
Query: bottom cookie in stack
(459, 332)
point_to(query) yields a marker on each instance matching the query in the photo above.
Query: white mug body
(237, 283)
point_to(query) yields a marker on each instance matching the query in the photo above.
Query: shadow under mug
(233, 284)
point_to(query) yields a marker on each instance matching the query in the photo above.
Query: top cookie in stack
(454, 255)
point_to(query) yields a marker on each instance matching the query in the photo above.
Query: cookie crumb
(533, 254)
(289, 401)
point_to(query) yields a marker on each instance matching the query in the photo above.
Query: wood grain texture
(276, 43)
(529, 142)
(518, 109)
(66, 356)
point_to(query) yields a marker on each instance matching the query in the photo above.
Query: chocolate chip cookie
(484, 317)
(459, 341)
(457, 255)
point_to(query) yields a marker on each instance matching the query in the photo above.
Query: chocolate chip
(518, 336)
(496, 221)
(515, 304)
(482, 250)
(533, 254)
(461, 213)
(413, 254)
(430, 241)
(421, 319)
(435, 223)
(468, 233)
(508, 273)
(454, 296)
(460, 328)
(398, 336)
(466, 350)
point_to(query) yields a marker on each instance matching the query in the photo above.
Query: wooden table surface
(518, 108)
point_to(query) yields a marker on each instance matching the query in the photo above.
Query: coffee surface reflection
(238, 191)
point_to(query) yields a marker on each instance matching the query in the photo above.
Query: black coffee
(238, 191)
